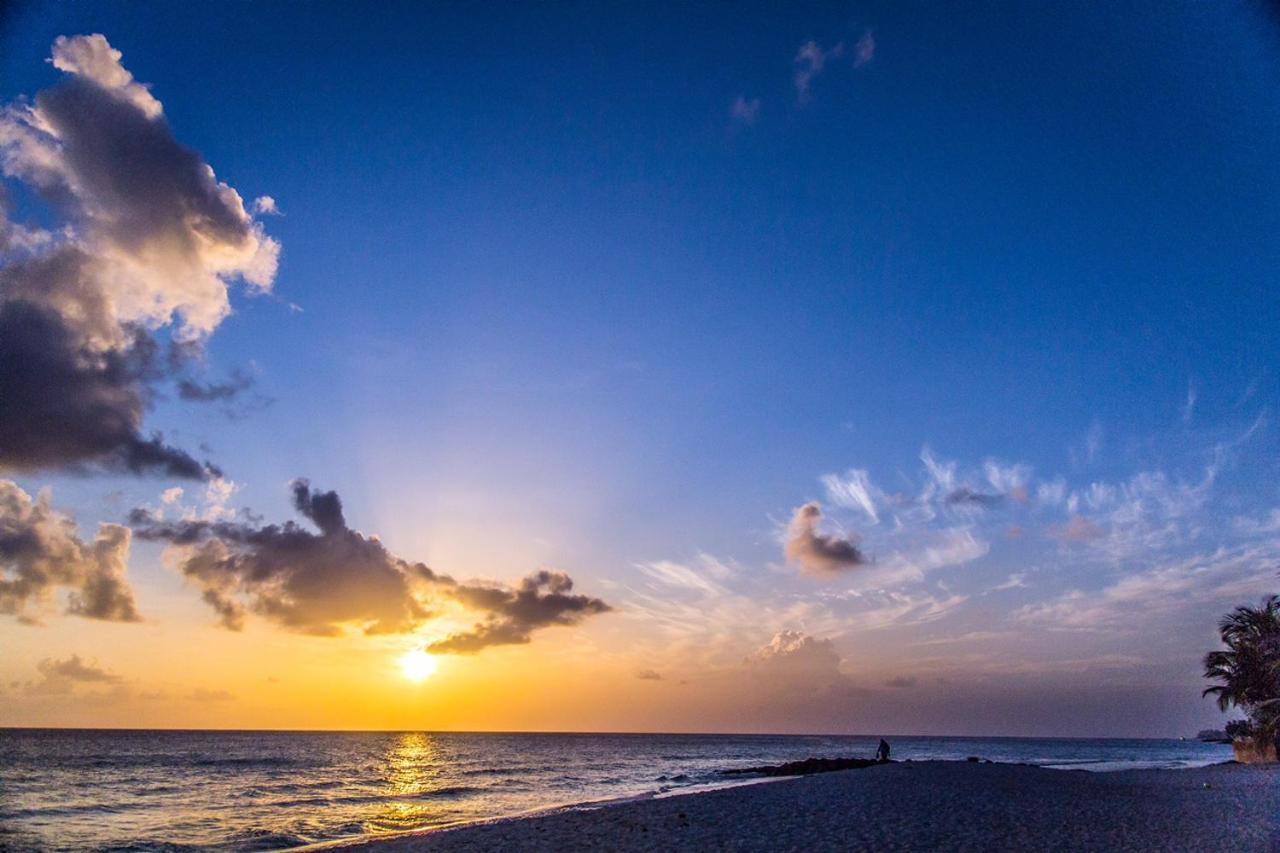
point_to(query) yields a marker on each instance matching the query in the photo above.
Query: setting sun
(417, 665)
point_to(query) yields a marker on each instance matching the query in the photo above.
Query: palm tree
(1248, 671)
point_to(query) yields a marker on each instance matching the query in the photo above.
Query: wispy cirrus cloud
(1222, 577)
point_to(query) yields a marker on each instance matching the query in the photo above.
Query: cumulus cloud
(822, 554)
(745, 110)
(71, 406)
(324, 582)
(92, 58)
(41, 555)
(305, 581)
(794, 665)
(148, 238)
(796, 649)
(543, 598)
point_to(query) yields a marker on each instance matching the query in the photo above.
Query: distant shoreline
(921, 804)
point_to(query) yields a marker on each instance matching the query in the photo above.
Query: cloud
(744, 110)
(649, 675)
(810, 60)
(324, 582)
(211, 392)
(1135, 600)
(816, 552)
(40, 554)
(62, 676)
(542, 599)
(965, 496)
(853, 491)
(310, 582)
(865, 50)
(796, 649)
(265, 204)
(901, 682)
(205, 696)
(147, 238)
(92, 58)
(795, 667)
(67, 405)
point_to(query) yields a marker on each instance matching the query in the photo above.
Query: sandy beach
(912, 806)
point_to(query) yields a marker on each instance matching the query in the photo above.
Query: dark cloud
(215, 392)
(816, 552)
(41, 554)
(322, 582)
(543, 598)
(68, 406)
(965, 496)
(306, 581)
(649, 675)
(901, 682)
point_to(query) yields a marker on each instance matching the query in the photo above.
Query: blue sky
(544, 297)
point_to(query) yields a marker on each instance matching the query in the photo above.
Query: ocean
(198, 790)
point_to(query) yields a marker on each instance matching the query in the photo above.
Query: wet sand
(911, 806)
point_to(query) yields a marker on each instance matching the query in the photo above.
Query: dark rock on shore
(804, 768)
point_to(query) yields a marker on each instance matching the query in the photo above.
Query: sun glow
(417, 665)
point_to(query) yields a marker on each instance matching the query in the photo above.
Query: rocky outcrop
(805, 767)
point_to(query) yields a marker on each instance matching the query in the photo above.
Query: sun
(417, 665)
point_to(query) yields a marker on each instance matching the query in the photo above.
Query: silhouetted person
(882, 752)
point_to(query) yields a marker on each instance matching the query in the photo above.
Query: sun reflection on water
(413, 772)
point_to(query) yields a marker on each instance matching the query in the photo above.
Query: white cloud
(865, 50)
(853, 491)
(92, 58)
(810, 60)
(1131, 603)
(151, 235)
(745, 110)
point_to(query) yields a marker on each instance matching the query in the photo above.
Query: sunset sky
(862, 367)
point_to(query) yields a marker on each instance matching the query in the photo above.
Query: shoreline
(924, 804)
(356, 841)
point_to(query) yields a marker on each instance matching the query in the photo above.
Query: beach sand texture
(913, 806)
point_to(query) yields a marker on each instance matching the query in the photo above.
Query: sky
(858, 367)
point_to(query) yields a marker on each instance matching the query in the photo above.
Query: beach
(931, 805)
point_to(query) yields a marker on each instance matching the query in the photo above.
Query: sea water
(176, 790)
